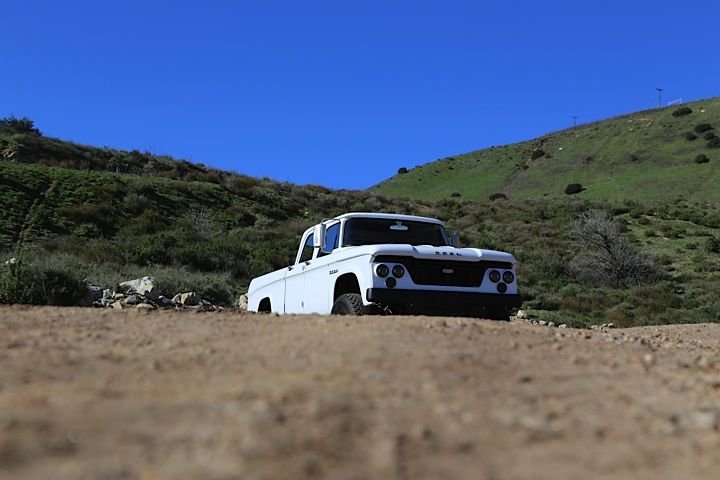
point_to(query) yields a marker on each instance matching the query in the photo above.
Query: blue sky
(342, 93)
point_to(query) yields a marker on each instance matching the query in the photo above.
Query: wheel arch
(346, 283)
(265, 305)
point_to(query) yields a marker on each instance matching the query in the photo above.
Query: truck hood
(430, 253)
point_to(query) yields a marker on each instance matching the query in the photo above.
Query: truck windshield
(375, 231)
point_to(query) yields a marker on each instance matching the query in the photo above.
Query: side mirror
(455, 239)
(319, 236)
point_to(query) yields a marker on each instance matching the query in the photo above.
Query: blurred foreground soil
(123, 395)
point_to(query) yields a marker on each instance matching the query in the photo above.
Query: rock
(103, 303)
(706, 418)
(117, 306)
(107, 294)
(648, 359)
(188, 299)
(242, 302)
(164, 302)
(563, 325)
(551, 324)
(146, 286)
(132, 300)
(542, 323)
(521, 314)
(146, 306)
(95, 292)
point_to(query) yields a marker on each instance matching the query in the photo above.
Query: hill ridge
(644, 156)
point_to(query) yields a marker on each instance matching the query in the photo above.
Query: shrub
(703, 127)
(690, 136)
(19, 125)
(712, 244)
(714, 143)
(537, 153)
(456, 194)
(402, 170)
(135, 203)
(574, 188)
(702, 158)
(40, 283)
(498, 196)
(709, 135)
(682, 111)
(606, 256)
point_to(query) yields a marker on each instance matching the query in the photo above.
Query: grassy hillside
(646, 157)
(73, 213)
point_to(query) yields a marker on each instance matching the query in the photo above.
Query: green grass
(642, 157)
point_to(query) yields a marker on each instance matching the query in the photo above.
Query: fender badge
(448, 270)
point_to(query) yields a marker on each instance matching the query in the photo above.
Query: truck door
(318, 291)
(295, 279)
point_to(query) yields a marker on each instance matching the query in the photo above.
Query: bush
(703, 127)
(712, 244)
(40, 283)
(19, 125)
(702, 158)
(574, 188)
(537, 153)
(682, 111)
(714, 143)
(402, 170)
(135, 203)
(709, 135)
(498, 196)
(456, 194)
(690, 136)
(606, 257)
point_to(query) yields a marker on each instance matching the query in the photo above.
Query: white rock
(551, 324)
(144, 286)
(542, 323)
(187, 299)
(521, 314)
(242, 302)
(563, 325)
(145, 306)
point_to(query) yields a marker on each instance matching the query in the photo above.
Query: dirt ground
(115, 395)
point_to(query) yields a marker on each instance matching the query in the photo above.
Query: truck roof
(389, 216)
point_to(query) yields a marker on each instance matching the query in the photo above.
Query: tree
(606, 256)
(19, 125)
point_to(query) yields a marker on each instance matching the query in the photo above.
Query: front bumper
(436, 299)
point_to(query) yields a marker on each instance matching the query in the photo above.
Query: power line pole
(659, 90)
(574, 117)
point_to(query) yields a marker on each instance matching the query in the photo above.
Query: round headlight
(502, 288)
(494, 276)
(508, 276)
(391, 282)
(398, 271)
(382, 270)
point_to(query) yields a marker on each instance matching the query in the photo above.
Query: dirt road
(115, 395)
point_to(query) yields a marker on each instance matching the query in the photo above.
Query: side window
(307, 251)
(332, 239)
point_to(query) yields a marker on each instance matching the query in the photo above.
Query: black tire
(498, 313)
(349, 304)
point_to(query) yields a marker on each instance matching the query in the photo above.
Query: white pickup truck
(363, 263)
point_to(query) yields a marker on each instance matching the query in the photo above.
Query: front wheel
(349, 304)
